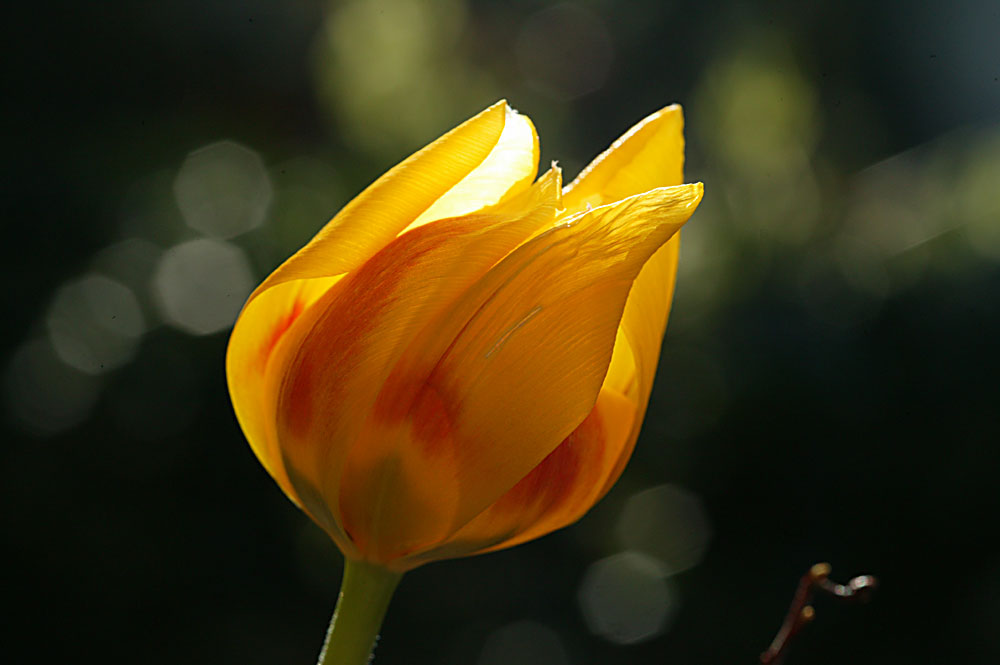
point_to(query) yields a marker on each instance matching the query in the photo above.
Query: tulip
(461, 359)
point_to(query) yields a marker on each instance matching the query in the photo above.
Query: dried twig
(801, 612)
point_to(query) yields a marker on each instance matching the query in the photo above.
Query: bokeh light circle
(223, 189)
(94, 324)
(626, 599)
(524, 643)
(42, 394)
(200, 285)
(667, 523)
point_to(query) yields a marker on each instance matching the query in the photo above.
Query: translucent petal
(556, 492)
(342, 353)
(650, 154)
(512, 369)
(487, 143)
(510, 167)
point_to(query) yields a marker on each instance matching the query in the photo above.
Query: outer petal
(650, 154)
(584, 466)
(340, 354)
(640, 339)
(555, 492)
(509, 168)
(251, 357)
(511, 371)
(496, 150)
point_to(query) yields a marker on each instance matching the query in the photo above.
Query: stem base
(364, 597)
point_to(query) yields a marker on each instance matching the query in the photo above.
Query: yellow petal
(477, 150)
(640, 339)
(510, 167)
(516, 365)
(650, 154)
(391, 203)
(342, 351)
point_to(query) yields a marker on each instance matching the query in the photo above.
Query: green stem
(364, 597)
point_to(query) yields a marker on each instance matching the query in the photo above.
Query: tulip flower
(461, 359)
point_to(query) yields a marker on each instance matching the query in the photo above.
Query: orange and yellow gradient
(460, 360)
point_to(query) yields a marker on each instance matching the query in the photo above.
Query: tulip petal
(510, 167)
(642, 328)
(581, 470)
(343, 348)
(556, 492)
(391, 203)
(437, 177)
(514, 367)
(496, 151)
(650, 154)
(252, 354)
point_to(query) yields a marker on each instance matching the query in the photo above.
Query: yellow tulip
(461, 359)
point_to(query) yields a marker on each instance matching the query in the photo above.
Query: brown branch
(801, 612)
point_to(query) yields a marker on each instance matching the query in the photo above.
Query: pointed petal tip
(501, 104)
(670, 114)
(688, 195)
(511, 112)
(691, 190)
(674, 111)
(498, 110)
(556, 172)
(691, 194)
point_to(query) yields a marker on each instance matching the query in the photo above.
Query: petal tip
(691, 194)
(499, 110)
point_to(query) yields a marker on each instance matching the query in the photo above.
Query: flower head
(461, 359)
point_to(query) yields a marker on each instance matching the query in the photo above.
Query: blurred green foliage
(828, 388)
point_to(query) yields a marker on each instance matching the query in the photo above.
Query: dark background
(828, 388)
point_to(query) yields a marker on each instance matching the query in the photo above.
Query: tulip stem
(364, 597)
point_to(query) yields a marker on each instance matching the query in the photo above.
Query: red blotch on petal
(298, 401)
(280, 328)
(432, 422)
(342, 339)
(550, 484)
(416, 399)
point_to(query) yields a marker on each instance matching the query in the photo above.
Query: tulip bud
(460, 360)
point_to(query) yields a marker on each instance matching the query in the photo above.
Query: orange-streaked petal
(251, 355)
(555, 493)
(512, 369)
(561, 489)
(341, 352)
(431, 178)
